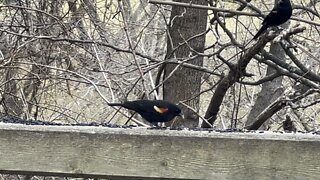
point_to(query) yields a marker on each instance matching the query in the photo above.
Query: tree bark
(184, 83)
(270, 90)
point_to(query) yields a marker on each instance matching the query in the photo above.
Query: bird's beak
(181, 115)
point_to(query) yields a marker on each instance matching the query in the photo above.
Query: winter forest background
(63, 60)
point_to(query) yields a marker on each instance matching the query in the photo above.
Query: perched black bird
(280, 14)
(153, 111)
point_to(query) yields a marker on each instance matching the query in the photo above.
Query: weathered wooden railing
(156, 154)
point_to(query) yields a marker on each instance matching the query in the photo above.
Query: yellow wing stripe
(160, 110)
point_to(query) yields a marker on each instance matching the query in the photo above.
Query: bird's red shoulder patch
(160, 109)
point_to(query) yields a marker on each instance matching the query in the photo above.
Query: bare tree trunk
(184, 83)
(271, 90)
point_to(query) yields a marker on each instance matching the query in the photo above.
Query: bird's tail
(115, 104)
(126, 105)
(261, 30)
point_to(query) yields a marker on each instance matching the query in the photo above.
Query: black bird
(153, 111)
(280, 14)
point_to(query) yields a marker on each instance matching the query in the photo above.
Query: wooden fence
(141, 153)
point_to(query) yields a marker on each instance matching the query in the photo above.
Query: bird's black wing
(267, 21)
(270, 16)
(134, 105)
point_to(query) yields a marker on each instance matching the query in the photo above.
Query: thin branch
(234, 76)
(37, 10)
(83, 77)
(263, 80)
(191, 5)
(194, 111)
(132, 48)
(102, 43)
(277, 105)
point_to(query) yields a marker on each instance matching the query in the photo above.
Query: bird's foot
(157, 127)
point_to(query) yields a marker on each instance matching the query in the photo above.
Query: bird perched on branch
(280, 14)
(153, 111)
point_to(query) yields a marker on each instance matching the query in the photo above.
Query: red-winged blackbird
(280, 14)
(153, 111)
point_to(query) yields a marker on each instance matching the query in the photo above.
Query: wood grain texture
(157, 154)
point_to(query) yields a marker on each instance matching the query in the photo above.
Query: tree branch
(234, 75)
(191, 5)
(276, 106)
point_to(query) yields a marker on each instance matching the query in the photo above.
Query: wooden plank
(156, 154)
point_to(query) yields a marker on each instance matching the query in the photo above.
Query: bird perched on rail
(280, 14)
(153, 111)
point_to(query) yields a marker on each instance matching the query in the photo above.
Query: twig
(83, 77)
(103, 43)
(191, 5)
(132, 48)
(194, 111)
(103, 73)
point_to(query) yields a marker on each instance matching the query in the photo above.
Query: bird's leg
(155, 126)
(280, 28)
(273, 29)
